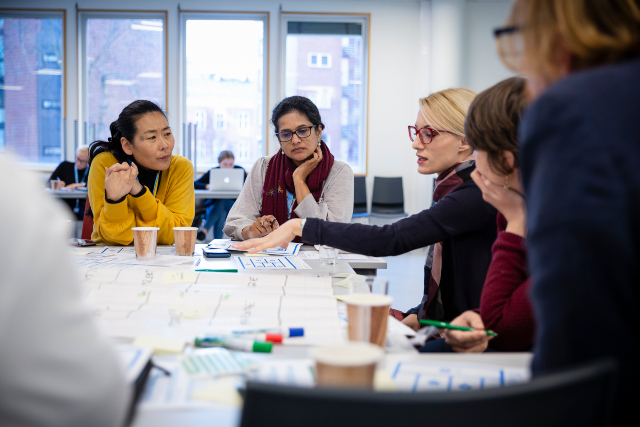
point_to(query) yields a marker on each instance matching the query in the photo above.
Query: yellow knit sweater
(173, 205)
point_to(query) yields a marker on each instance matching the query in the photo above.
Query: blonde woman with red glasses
(459, 227)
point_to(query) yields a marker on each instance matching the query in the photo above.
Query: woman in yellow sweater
(135, 181)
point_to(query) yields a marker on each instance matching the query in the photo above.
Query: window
(31, 85)
(319, 60)
(123, 59)
(221, 123)
(311, 43)
(243, 121)
(201, 119)
(224, 64)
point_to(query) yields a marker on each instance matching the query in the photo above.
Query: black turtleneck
(147, 177)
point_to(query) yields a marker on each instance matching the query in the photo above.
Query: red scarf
(279, 180)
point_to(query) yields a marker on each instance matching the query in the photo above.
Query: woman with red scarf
(303, 180)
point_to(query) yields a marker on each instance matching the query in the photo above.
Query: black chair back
(580, 397)
(388, 195)
(359, 195)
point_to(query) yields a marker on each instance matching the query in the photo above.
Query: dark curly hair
(300, 104)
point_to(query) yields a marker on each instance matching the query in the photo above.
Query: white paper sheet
(271, 263)
(160, 302)
(413, 376)
(344, 257)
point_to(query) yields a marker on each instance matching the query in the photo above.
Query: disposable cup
(145, 241)
(367, 315)
(185, 238)
(55, 184)
(349, 365)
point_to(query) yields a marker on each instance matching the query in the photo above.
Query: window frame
(47, 14)
(82, 15)
(209, 15)
(363, 19)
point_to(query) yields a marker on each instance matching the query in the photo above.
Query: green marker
(445, 325)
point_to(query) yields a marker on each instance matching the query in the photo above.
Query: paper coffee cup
(145, 241)
(351, 365)
(185, 238)
(367, 315)
(55, 184)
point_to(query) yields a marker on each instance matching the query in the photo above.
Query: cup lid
(144, 228)
(352, 353)
(370, 300)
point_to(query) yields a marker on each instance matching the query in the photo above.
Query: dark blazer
(462, 221)
(65, 172)
(580, 166)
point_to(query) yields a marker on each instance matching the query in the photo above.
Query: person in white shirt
(56, 367)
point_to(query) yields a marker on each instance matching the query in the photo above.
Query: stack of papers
(291, 250)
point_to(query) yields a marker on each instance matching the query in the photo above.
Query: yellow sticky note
(187, 312)
(258, 254)
(180, 276)
(382, 381)
(160, 345)
(222, 391)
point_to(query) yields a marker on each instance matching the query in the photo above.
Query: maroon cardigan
(505, 306)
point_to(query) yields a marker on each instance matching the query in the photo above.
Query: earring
(506, 183)
(282, 151)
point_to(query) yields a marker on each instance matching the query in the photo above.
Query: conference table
(200, 194)
(228, 416)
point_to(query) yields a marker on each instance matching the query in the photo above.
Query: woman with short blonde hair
(579, 162)
(459, 227)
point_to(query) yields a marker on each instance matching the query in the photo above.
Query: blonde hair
(447, 109)
(84, 149)
(595, 32)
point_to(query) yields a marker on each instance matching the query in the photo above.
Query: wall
(399, 48)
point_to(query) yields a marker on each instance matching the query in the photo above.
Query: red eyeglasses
(424, 133)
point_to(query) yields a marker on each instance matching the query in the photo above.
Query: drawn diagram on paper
(158, 301)
(448, 377)
(271, 263)
(291, 249)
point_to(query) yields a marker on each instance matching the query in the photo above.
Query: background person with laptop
(218, 178)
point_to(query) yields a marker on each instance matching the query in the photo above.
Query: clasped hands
(120, 180)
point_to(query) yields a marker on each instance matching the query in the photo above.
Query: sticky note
(160, 345)
(382, 381)
(180, 276)
(186, 312)
(223, 391)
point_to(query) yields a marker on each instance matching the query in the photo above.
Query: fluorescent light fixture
(153, 23)
(49, 72)
(145, 27)
(150, 75)
(3, 87)
(117, 82)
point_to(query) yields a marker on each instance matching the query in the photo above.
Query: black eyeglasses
(303, 132)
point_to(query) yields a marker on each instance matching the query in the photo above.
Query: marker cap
(276, 338)
(262, 347)
(296, 332)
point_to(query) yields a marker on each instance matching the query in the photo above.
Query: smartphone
(215, 253)
(82, 242)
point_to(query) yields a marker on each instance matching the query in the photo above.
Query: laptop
(226, 179)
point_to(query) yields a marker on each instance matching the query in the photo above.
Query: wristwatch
(304, 220)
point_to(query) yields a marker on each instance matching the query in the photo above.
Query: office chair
(578, 397)
(360, 209)
(388, 198)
